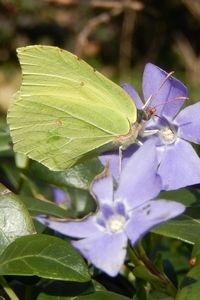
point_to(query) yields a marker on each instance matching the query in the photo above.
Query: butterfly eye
(145, 114)
(150, 111)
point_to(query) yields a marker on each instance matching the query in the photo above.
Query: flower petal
(188, 121)
(133, 94)
(105, 251)
(139, 171)
(149, 215)
(179, 166)
(112, 159)
(164, 92)
(61, 197)
(102, 188)
(79, 229)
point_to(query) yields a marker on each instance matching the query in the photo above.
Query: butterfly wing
(65, 110)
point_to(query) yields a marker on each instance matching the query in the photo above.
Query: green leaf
(5, 139)
(67, 112)
(65, 289)
(143, 273)
(5, 143)
(15, 220)
(36, 207)
(43, 296)
(11, 172)
(80, 176)
(101, 295)
(45, 256)
(185, 228)
(190, 288)
(155, 295)
(185, 196)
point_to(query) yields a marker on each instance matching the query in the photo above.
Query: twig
(164, 281)
(134, 5)
(192, 61)
(115, 9)
(64, 2)
(92, 24)
(8, 289)
(193, 6)
(125, 51)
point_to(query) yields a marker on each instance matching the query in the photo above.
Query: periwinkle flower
(61, 198)
(171, 130)
(124, 213)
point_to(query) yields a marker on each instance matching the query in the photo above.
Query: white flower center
(115, 223)
(167, 135)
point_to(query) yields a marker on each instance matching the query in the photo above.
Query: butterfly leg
(121, 148)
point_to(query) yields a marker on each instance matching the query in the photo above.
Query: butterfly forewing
(65, 110)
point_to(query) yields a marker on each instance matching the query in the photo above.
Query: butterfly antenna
(172, 100)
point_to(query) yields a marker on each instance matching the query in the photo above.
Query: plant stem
(133, 257)
(140, 253)
(8, 289)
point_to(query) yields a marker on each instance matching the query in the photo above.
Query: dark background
(117, 37)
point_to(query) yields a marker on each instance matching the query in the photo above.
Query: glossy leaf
(15, 220)
(101, 295)
(185, 195)
(45, 256)
(185, 228)
(106, 295)
(143, 273)
(37, 207)
(11, 173)
(80, 176)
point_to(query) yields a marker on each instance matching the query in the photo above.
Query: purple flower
(171, 130)
(61, 198)
(125, 213)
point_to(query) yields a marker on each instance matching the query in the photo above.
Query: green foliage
(185, 228)
(94, 296)
(15, 220)
(45, 256)
(80, 176)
